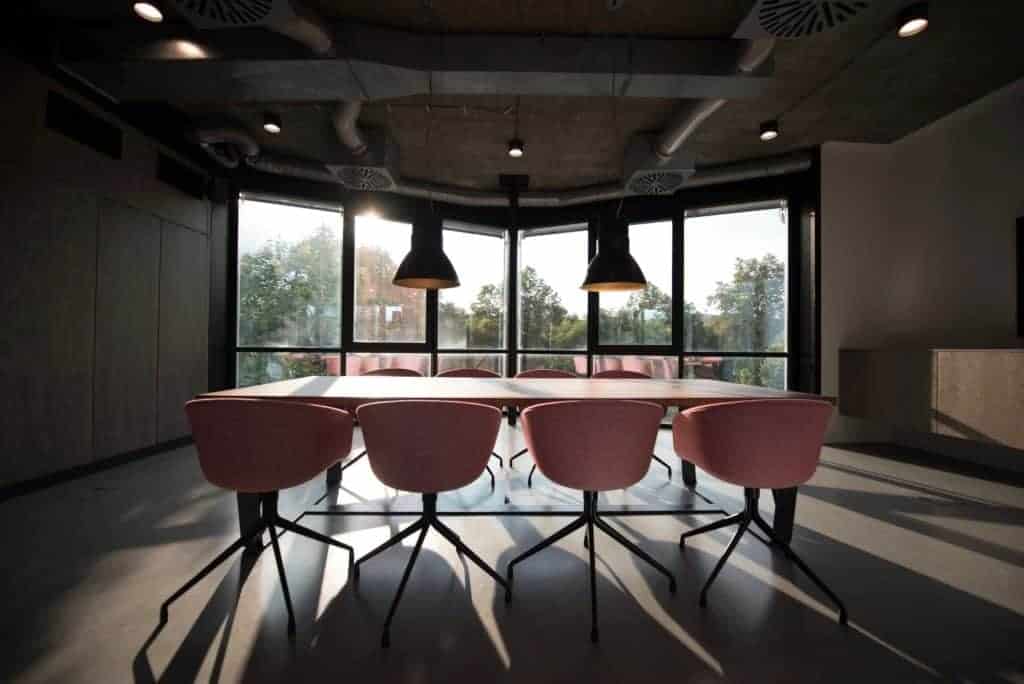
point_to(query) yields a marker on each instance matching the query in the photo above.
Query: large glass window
(552, 307)
(643, 317)
(662, 367)
(360, 364)
(574, 363)
(289, 275)
(385, 312)
(472, 316)
(735, 284)
(492, 362)
(256, 368)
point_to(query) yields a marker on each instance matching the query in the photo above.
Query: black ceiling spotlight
(271, 123)
(426, 266)
(913, 20)
(516, 148)
(769, 131)
(148, 11)
(613, 268)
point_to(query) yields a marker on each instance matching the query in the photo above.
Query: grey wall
(917, 244)
(104, 288)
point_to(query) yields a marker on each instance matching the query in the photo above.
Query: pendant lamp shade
(426, 266)
(613, 268)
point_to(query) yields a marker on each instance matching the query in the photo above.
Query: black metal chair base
(750, 514)
(362, 453)
(590, 519)
(269, 521)
(533, 468)
(427, 521)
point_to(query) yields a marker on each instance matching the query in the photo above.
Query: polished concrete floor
(930, 563)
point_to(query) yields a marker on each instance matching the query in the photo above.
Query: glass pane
(766, 372)
(735, 279)
(574, 363)
(654, 366)
(289, 275)
(643, 317)
(473, 314)
(385, 312)
(552, 307)
(256, 368)
(491, 362)
(358, 364)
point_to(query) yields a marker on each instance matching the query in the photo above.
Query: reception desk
(975, 394)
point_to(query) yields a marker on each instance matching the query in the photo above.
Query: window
(735, 285)
(643, 317)
(289, 275)
(574, 363)
(472, 316)
(665, 367)
(552, 307)
(385, 312)
(360, 364)
(491, 362)
(256, 368)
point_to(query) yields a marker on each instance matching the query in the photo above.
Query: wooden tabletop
(349, 390)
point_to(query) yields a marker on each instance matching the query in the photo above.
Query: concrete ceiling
(855, 83)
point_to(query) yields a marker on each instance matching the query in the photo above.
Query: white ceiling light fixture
(148, 11)
(913, 20)
(271, 123)
(769, 131)
(516, 148)
(186, 49)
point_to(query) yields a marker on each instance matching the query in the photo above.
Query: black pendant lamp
(426, 266)
(613, 269)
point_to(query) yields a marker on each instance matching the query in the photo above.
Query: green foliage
(645, 318)
(544, 321)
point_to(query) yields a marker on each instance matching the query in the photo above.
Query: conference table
(348, 392)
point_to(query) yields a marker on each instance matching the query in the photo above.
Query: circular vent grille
(656, 183)
(227, 12)
(796, 18)
(364, 178)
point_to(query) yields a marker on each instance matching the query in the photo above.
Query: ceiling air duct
(798, 18)
(286, 17)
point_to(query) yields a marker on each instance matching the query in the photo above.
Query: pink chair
(759, 444)
(475, 373)
(384, 372)
(633, 375)
(257, 446)
(608, 448)
(536, 373)
(427, 447)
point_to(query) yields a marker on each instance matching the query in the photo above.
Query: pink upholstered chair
(758, 444)
(257, 446)
(427, 447)
(608, 448)
(476, 373)
(386, 372)
(633, 375)
(526, 375)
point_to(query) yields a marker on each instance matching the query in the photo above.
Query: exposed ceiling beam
(380, 63)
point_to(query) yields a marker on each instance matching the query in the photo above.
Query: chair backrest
(395, 372)
(763, 443)
(428, 446)
(592, 445)
(622, 374)
(545, 373)
(468, 373)
(259, 445)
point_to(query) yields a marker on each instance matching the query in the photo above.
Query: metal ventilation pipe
(296, 168)
(692, 114)
(227, 145)
(346, 120)
(307, 28)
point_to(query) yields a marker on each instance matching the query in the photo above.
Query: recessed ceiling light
(148, 11)
(769, 131)
(271, 123)
(186, 49)
(516, 148)
(913, 20)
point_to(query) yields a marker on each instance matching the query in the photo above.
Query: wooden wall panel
(128, 266)
(47, 286)
(979, 395)
(184, 321)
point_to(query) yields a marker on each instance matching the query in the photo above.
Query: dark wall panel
(47, 285)
(184, 321)
(220, 335)
(127, 297)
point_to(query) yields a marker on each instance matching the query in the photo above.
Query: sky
(712, 245)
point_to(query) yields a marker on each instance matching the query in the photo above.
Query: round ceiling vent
(227, 12)
(656, 183)
(796, 18)
(364, 178)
